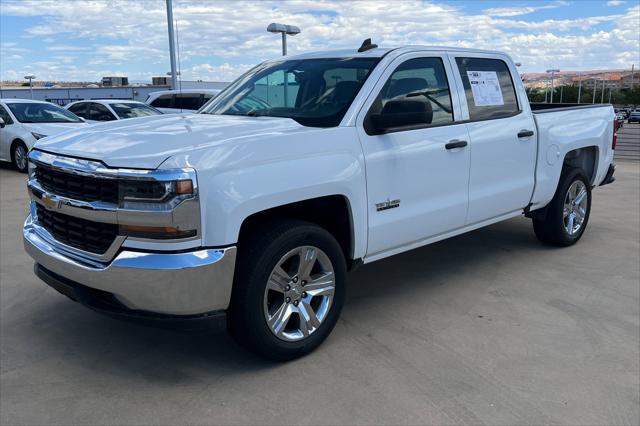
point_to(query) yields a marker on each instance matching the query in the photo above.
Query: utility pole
(595, 87)
(561, 87)
(172, 45)
(602, 94)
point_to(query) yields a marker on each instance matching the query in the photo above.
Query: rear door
(502, 135)
(417, 181)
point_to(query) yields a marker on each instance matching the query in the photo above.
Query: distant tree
(25, 85)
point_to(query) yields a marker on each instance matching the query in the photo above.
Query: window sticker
(486, 88)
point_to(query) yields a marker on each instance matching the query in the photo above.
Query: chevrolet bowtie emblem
(50, 203)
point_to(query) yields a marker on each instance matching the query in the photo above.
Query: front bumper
(179, 284)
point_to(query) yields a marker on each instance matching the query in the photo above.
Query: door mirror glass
(2, 123)
(402, 113)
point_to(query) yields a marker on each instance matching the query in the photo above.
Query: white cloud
(615, 2)
(521, 10)
(219, 39)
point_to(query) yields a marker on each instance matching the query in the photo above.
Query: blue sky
(84, 40)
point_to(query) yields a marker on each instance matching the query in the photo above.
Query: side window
(5, 116)
(488, 88)
(99, 112)
(419, 90)
(163, 101)
(79, 109)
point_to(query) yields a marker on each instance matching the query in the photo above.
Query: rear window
(163, 101)
(192, 101)
(488, 88)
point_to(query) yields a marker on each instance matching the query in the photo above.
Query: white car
(94, 111)
(180, 101)
(23, 122)
(257, 206)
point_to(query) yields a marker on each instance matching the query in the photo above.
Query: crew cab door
(418, 171)
(502, 135)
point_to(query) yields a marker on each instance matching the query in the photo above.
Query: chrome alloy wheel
(299, 293)
(575, 207)
(20, 157)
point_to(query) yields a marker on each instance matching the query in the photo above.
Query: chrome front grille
(77, 187)
(86, 235)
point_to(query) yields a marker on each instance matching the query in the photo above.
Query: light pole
(172, 45)
(30, 77)
(603, 86)
(284, 30)
(579, 87)
(595, 87)
(552, 72)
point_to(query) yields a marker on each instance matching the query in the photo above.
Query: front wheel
(19, 155)
(289, 290)
(568, 212)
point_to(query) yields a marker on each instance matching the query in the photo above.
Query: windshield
(314, 92)
(42, 113)
(133, 110)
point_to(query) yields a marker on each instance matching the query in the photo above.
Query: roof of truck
(381, 51)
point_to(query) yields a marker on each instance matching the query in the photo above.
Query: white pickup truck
(257, 206)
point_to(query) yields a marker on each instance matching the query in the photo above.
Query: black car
(634, 117)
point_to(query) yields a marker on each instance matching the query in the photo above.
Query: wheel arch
(584, 158)
(338, 223)
(15, 142)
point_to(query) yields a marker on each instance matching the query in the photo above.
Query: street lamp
(284, 30)
(30, 77)
(552, 73)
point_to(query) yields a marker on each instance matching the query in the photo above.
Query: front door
(417, 175)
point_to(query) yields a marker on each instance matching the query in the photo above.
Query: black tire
(18, 149)
(258, 254)
(550, 227)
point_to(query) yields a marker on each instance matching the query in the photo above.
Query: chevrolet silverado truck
(255, 208)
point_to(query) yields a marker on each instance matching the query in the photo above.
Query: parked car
(620, 119)
(23, 122)
(257, 210)
(94, 111)
(634, 117)
(180, 101)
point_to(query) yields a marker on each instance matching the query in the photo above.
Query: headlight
(38, 135)
(154, 191)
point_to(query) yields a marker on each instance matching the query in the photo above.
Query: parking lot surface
(490, 327)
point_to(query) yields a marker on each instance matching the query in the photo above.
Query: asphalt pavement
(489, 327)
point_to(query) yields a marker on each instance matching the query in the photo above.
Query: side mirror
(2, 123)
(402, 113)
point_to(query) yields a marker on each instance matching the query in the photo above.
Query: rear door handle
(525, 133)
(455, 144)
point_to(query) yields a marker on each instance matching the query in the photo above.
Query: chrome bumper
(188, 283)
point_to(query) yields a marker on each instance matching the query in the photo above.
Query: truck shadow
(88, 340)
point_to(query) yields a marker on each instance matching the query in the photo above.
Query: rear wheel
(289, 290)
(19, 154)
(568, 212)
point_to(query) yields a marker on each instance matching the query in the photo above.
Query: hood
(52, 129)
(146, 142)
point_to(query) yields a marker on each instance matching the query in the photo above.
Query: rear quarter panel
(562, 131)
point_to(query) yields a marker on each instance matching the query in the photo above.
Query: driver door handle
(525, 133)
(455, 144)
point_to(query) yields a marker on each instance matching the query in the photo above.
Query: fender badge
(386, 205)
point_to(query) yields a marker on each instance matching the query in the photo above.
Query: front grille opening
(86, 235)
(77, 187)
